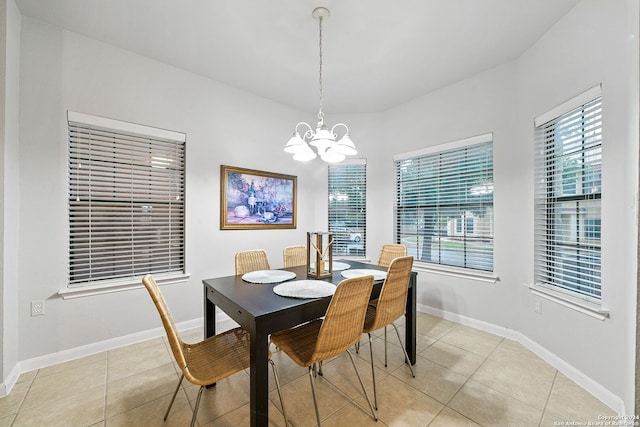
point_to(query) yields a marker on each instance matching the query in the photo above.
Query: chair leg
(373, 373)
(385, 346)
(275, 377)
(353, 362)
(174, 397)
(313, 392)
(413, 374)
(195, 409)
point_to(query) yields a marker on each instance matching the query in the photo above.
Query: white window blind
(347, 207)
(126, 200)
(444, 203)
(568, 195)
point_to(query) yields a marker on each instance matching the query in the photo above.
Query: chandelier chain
(320, 113)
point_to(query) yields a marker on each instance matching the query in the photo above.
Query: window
(347, 207)
(126, 200)
(444, 203)
(568, 194)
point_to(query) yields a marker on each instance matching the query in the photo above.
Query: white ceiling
(377, 53)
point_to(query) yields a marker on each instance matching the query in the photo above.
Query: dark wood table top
(250, 302)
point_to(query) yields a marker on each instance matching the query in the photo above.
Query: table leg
(209, 320)
(259, 378)
(209, 316)
(410, 319)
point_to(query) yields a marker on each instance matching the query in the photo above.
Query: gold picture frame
(251, 199)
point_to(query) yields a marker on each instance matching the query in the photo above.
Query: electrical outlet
(37, 308)
(538, 306)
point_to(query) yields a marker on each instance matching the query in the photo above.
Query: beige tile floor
(464, 377)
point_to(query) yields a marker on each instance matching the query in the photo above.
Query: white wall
(10, 196)
(64, 71)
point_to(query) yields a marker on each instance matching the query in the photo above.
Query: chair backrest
(294, 255)
(389, 252)
(167, 321)
(393, 296)
(253, 260)
(343, 322)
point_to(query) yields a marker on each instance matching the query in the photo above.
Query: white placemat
(359, 272)
(268, 276)
(338, 266)
(305, 289)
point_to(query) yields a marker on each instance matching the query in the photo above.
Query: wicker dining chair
(389, 306)
(206, 362)
(252, 260)
(294, 256)
(311, 343)
(389, 252)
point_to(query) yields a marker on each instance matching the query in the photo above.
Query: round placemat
(305, 289)
(359, 272)
(338, 266)
(268, 276)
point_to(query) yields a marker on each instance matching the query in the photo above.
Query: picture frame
(252, 199)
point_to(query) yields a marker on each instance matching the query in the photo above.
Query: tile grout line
(486, 358)
(542, 411)
(19, 408)
(348, 398)
(106, 387)
(444, 405)
(546, 402)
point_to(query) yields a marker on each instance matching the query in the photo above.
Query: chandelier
(329, 148)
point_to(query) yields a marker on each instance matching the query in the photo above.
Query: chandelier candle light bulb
(325, 140)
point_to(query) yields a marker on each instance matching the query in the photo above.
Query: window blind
(444, 204)
(347, 207)
(126, 200)
(568, 195)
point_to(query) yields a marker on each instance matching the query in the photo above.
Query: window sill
(581, 306)
(117, 286)
(487, 277)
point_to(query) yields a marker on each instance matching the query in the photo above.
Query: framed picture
(252, 199)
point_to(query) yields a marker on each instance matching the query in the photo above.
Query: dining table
(260, 311)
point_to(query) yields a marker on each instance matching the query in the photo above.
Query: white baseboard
(223, 322)
(467, 321)
(584, 381)
(10, 381)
